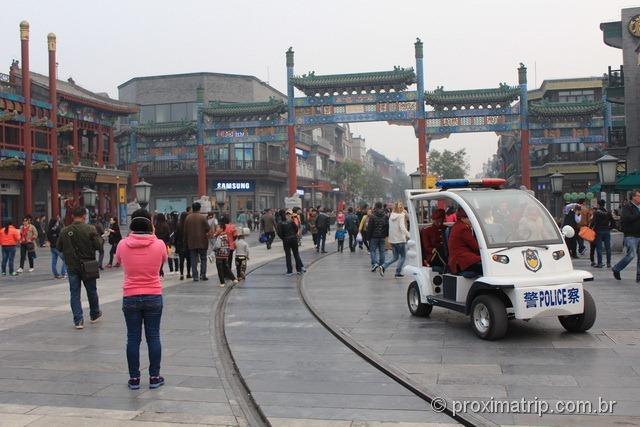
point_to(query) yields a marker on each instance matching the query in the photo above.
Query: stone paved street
(535, 359)
(51, 374)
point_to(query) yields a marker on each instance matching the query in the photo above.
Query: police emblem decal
(532, 260)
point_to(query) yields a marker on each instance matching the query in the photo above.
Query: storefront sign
(9, 188)
(167, 205)
(86, 178)
(235, 186)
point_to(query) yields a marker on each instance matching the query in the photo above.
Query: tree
(400, 183)
(448, 164)
(375, 186)
(349, 176)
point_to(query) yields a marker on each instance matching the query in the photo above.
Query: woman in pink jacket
(141, 254)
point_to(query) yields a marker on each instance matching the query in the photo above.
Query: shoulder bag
(89, 269)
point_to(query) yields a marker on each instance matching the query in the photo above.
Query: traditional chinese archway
(383, 96)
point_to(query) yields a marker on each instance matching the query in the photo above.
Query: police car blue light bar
(471, 183)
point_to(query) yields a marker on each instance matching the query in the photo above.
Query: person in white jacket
(398, 236)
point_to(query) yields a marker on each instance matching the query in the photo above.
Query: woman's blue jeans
(139, 310)
(399, 254)
(8, 255)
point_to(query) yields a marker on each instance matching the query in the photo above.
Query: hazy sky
(468, 44)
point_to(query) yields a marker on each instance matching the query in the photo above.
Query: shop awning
(623, 183)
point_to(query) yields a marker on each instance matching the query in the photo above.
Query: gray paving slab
(535, 359)
(297, 369)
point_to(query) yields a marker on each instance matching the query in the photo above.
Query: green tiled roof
(562, 109)
(502, 95)
(167, 129)
(397, 79)
(243, 109)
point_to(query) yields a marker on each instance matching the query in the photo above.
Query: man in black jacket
(377, 231)
(602, 223)
(323, 223)
(351, 224)
(630, 225)
(288, 231)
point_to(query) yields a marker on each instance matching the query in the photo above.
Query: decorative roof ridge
(503, 87)
(396, 70)
(273, 106)
(580, 108)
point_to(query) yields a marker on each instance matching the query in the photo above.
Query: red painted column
(293, 173)
(113, 200)
(202, 172)
(112, 148)
(100, 147)
(26, 110)
(53, 136)
(422, 146)
(74, 142)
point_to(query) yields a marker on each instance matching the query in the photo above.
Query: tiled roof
(75, 93)
(397, 79)
(563, 109)
(245, 109)
(502, 95)
(171, 129)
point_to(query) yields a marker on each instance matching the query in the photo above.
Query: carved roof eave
(397, 80)
(161, 130)
(247, 110)
(500, 97)
(557, 110)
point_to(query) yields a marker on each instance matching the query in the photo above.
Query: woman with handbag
(141, 254)
(114, 239)
(28, 237)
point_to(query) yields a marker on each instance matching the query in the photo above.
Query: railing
(262, 165)
(616, 77)
(309, 140)
(189, 167)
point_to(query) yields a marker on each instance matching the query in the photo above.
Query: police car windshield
(512, 218)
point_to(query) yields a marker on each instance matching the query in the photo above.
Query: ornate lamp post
(557, 180)
(416, 179)
(221, 198)
(143, 193)
(607, 169)
(89, 197)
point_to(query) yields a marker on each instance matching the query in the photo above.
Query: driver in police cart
(464, 252)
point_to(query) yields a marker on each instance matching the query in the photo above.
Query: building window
(163, 113)
(243, 152)
(576, 95)
(192, 111)
(147, 113)
(564, 148)
(178, 112)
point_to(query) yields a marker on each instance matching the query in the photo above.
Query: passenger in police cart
(503, 258)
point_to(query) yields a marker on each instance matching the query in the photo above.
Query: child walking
(242, 254)
(341, 233)
(222, 252)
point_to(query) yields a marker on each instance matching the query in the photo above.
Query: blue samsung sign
(241, 186)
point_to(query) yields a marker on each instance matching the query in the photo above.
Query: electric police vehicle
(526, 266)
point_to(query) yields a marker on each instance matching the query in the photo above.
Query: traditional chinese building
(56, 138)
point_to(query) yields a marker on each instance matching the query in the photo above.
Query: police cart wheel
(581, 322)
(416, 307)
(489, 317)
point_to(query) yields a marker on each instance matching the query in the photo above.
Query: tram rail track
(419, 390)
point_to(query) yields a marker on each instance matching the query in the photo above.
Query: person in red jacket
(432, 240)
(464, 253)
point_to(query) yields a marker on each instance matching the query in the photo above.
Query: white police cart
(527, 269)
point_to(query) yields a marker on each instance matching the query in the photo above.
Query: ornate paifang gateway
(499, 97)
(396, 80)
(226, 111)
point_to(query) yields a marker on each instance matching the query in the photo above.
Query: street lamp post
(221, 198)
(607, 170)
(143, 193)
(89, 196)
(416, 180)
(557, 181)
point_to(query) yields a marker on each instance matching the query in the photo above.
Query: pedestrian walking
(311, 220)
(40, 226)
(242, 254)
(141, 254)
(583, 221)
(351, 225)
(222, 252)
(181, 247)
(341, 234)
(377, 232)
(288, 232)
(572, 218)
(53, 233)
(630, 225)
(173, 255)
(323, 224)
(9, 239)
(602, 223)
(362, 230)
(196, 231)
(232, 234)
(163, 234)
(97, 222)
(114, 238)
(28, 240)
(398, 236)
(268, 227)
(78, 243)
